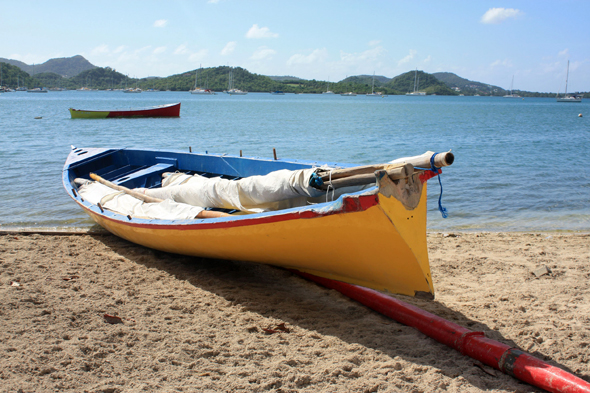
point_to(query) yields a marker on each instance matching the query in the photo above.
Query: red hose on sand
(509, 360)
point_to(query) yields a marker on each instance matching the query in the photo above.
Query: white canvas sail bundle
(119, 202)
(255, 194)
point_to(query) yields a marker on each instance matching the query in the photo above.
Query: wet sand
(189, 324)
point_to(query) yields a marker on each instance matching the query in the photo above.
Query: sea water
(520, 164)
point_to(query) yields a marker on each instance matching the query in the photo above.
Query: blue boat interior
(144, 168)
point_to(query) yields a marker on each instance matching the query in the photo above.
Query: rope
(443, 211)
(330, 185)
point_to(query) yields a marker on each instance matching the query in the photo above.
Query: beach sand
(196, 325)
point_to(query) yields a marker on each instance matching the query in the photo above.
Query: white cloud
(499, 15)
(213, 1)
(428, 59)
(260, 32)
(229, 48)
(181, 50)
(408, 58)
(564, 53)
(160, 23)
(503, 63)
(100, 50)
(198, 56)
(363, 57)
(374, 42)
(119, 49)
(262, 53)
(316, 56)
(160, 49)
(144, 49)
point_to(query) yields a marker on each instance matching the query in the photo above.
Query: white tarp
(119, 202)
(255, 194)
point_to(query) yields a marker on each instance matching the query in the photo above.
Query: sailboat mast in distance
(569, 97)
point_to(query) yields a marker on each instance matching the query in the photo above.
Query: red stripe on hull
(170, 111)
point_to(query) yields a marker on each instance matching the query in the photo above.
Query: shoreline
(191, 324)
(97, 230)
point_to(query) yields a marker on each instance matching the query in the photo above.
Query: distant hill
(73, 72)
(13, 77)
(366, 80)
(425, 82)
(466, 86)
(216, 78)
(66, 66)
(77, 72)
(286, 78)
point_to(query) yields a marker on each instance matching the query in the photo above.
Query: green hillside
(367, 80)
(65, 66)
(286, 78)
(425, 82)
(216, 78)
(76, 72)
(467, 87)
(13, 77)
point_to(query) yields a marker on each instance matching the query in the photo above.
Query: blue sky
(485, 41)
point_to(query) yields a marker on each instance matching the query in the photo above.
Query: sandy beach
(187, 324)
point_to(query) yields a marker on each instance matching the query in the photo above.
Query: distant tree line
(13, 77)
(217, 79)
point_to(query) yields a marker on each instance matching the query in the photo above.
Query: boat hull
(203, 92)
(170, 110)
(569, 99)
(375, 239)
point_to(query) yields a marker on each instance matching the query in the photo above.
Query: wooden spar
(135, 194)
(423, 161)
(149, 199)
(401, 172)
(357, 170)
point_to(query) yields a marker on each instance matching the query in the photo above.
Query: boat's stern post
(404, 202)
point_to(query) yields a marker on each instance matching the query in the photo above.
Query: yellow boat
(374, 237)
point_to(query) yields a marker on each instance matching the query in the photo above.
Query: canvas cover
(185, 196)
(121, 203)
(255, 194)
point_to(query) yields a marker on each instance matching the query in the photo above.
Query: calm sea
(521, 165)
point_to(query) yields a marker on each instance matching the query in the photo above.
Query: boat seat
(145, 177)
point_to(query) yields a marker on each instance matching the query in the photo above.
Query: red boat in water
(168, 110)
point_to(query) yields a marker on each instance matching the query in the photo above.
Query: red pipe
(509, 360)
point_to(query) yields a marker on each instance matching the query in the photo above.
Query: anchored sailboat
(230, 88)
(511, 95)
(328, 88)
(416, 86)
(569, 97)
(198, 90)
(373, 94)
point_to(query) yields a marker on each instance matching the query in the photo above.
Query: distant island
(77, 73)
